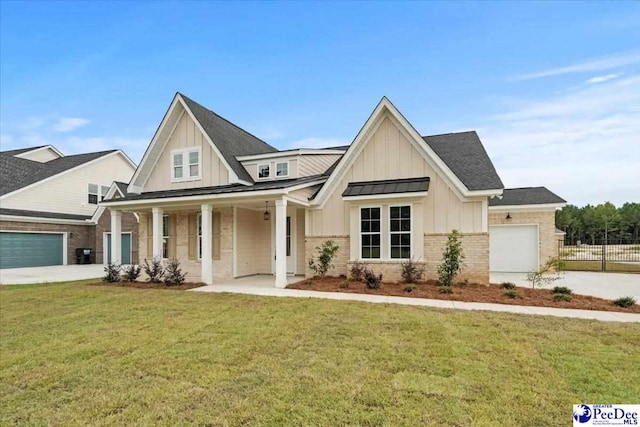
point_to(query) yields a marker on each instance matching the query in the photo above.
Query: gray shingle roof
(389, 186)
(224, 189)
(21, 150)
(38, 214)
(464, 154)
(526, 196)
(230, 140)
(122, 186)
(16, 173)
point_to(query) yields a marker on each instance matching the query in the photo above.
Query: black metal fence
(623, 256)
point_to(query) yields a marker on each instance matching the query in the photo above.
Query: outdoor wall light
(508, 216)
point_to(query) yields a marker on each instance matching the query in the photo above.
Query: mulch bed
(471, 292)
(149, 285)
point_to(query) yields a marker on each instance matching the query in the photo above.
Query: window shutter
(193, 236)
(216, 232)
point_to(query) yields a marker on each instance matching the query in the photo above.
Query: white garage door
(513, 248)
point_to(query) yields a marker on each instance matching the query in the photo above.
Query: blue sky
(553, 89)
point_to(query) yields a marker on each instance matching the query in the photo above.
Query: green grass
(73, 354)
(597, 266)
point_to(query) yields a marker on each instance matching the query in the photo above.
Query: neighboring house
(49, 205)
(226, 204)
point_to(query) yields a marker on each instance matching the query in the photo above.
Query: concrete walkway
(50, 274)
(602, 285)
(262, 286)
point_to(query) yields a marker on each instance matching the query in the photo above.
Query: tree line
(593, 224)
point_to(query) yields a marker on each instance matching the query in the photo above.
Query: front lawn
(75, 354)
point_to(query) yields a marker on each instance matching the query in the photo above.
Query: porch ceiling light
(266, 215)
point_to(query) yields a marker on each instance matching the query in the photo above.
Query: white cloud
(582, 145)
(67, 124)
(595, 64)
(318, 143)
(602, 79)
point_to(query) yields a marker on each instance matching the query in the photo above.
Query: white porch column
(207, 253)
(116, 236)
(157, 232)
(281, 243)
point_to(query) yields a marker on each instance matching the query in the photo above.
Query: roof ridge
(450, 133)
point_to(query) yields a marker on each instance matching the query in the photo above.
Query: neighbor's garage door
(30, 249)
(513, 248)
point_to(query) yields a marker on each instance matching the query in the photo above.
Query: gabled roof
(526, 196)
(388, 186)
(16, 173)
(230, 139)
(464, 154)
(21, 150)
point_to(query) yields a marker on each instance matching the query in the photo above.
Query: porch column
(207, 253)
(281, 243)
(116, 239)
(157, 233)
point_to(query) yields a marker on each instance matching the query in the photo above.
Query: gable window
(370, 233)
(185, 165)
(103, 192)
(282, 169)
(165, 236)
(92, 190)
(264, 171)
(400, 231)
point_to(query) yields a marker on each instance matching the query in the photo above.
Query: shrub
(411, 271)
(546, 275)
(508, 285)
(451, 259)
(625, 302)
(112, 273)
(562, 290)
(154, 271)
(512, 293)
(131, 273)
(445, 290)
(371, 280)
(173, 275)
(326, 253)
(357, 271)
(344, 284)
(409, 288)
(562, 297)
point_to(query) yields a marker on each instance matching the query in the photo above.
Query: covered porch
(259, 240)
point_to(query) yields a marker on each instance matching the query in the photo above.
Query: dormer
(42, 154)
(290, 164)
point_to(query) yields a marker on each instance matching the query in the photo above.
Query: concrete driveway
(54, 273)
(603, 285)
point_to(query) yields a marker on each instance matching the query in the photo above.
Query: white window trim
(168, 235)
(97, 193)
(258, 170)
(403, 232)
(360, 232)
(276, 169)
(185, 164)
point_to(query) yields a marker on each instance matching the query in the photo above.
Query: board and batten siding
(187, 135)
(253, 242)
(388, 154)
(68, 192)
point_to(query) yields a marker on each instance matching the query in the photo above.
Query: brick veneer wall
(81, 236)
(129, 224)
(546, 221)
(339, 262)
(475, 247)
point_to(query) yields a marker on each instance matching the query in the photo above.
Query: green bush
(445, 290)
(371, 280)
(411, 271)
(131, 273)
(562, 290)
(409, 288)
(112, 273)
(173, 275)
(508, 285)
(625, 302)
(562, 297)
(155, 271)
(451, 259)
(356, 271)
(512, 293)
(326, 253)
